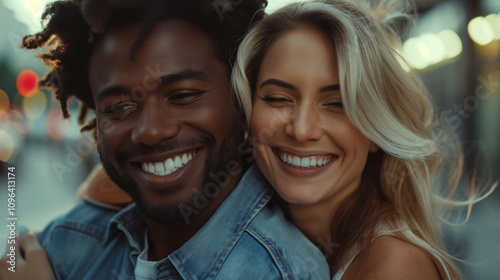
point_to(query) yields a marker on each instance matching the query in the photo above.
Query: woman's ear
(373, 147)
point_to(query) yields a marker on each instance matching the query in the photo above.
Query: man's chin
(166, 213)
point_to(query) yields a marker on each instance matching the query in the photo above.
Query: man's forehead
(166, 35)
(172, 41)
(172, 47)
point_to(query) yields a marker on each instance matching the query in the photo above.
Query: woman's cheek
(267, 122)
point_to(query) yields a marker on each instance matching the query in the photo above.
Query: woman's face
(304, 143)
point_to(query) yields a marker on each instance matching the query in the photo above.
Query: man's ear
(243, 121)
(241, 116)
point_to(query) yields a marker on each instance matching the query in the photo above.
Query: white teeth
(168, 166)
(177, 162)
(305, 162)
(159, 169)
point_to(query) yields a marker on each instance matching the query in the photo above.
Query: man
(156, 73)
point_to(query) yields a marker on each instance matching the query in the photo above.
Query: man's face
(165, 120)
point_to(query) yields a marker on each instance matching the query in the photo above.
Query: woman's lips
(304, 162)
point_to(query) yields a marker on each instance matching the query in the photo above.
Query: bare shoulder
(391, 258)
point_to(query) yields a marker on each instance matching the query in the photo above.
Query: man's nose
(155, 123)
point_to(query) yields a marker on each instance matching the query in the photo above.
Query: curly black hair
(72, 28)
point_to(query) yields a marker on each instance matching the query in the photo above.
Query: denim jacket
(246, 238)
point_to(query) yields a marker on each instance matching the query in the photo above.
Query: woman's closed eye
(274, 99)
(336, 103)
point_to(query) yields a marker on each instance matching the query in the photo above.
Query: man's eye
(120, 110)
(185, 97)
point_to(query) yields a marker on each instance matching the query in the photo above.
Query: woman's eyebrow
(330, 88)
(283, 84)
(278, 83)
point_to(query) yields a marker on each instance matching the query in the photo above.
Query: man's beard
(170, 212)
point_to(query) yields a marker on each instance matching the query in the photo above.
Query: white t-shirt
(144, 268)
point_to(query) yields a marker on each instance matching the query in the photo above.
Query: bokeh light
(7, 147)
(35, 106)
(35, 6)
(4, 103)
(27, 83)
(452, 43)
(274, 5)
(16, 121)
(4, 122)
(481, 31)
(494, 21)
(430, 49)
(416, 53)
(56, 125)
(434, 46)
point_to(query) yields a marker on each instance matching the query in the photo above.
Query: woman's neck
(315, 220)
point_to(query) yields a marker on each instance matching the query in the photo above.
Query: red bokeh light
(27, 83)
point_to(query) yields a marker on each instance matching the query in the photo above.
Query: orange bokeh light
(4, 102)
(7, 147)
(27, 83)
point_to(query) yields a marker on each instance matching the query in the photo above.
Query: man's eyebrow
(182, 75)
(163, 80)
(111, 91)
(278, 83)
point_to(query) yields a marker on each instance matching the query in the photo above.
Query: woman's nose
(304, 124)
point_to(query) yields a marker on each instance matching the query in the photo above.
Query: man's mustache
(166, 146)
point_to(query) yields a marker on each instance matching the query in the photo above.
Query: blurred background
(455, 47)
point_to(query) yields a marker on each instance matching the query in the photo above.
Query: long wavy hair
(389, 105)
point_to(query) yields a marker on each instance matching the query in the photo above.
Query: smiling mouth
(169, 165)
(308, 162)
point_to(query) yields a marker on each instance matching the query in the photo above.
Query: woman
(342, 132)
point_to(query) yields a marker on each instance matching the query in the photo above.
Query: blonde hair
(388, 104)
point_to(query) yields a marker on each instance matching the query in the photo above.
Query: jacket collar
(204, 253)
